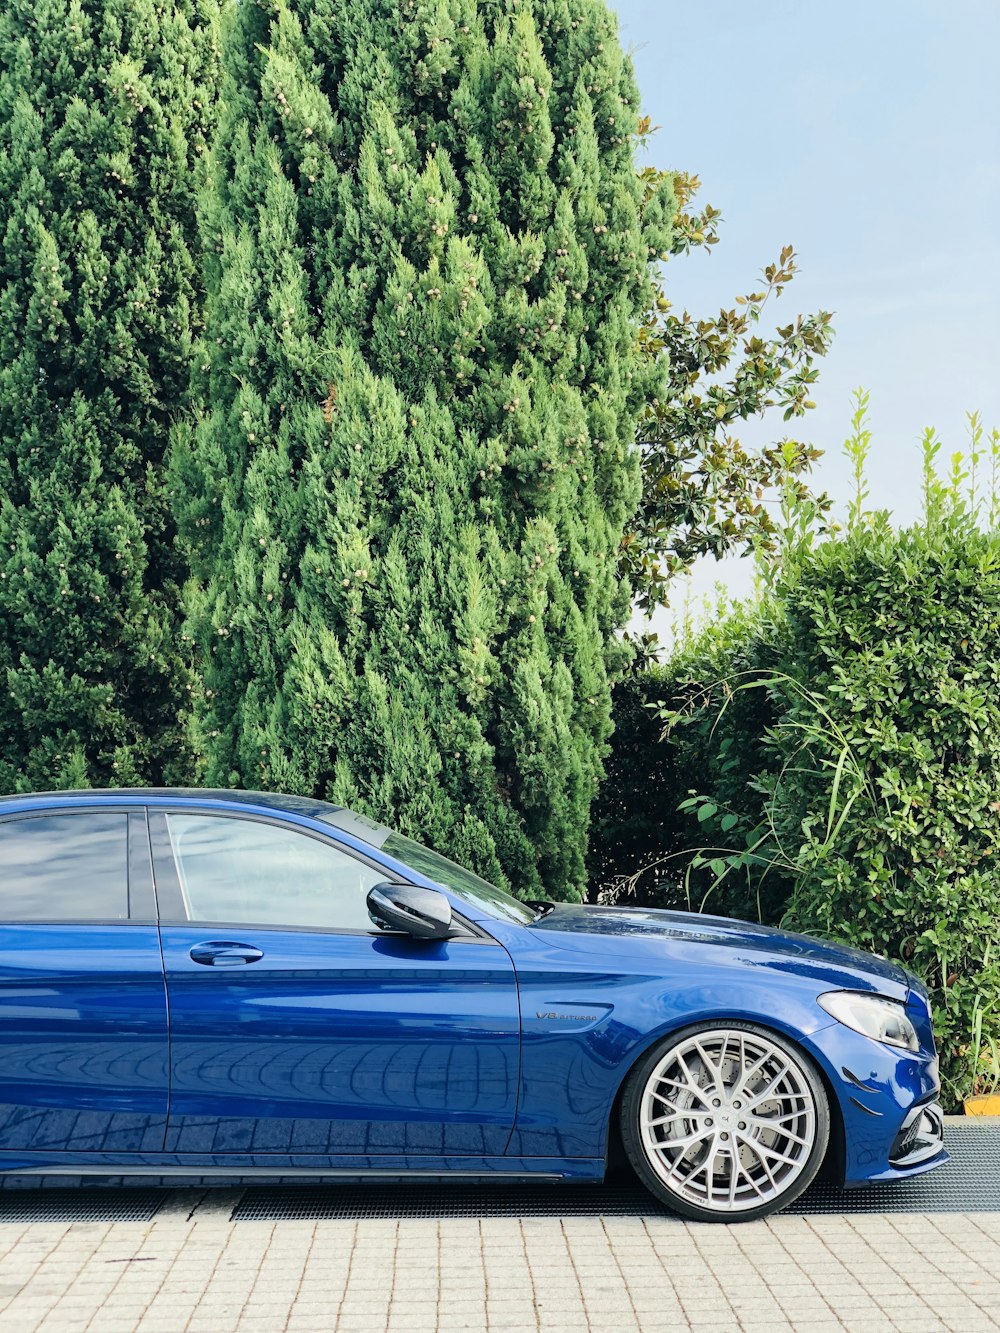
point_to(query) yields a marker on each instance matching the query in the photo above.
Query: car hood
(646, 931)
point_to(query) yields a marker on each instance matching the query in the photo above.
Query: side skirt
(170, 1168)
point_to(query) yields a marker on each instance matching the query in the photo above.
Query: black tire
(749, 1151)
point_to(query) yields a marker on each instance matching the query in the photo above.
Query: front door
(298, 1028)
(83, 1014)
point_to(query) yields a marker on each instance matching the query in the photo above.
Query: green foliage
(884, 788)
(429, 257)
(704, 491)
(635, 831)
(681, 727)
(857, 447)
(104, 109)
(841, 740)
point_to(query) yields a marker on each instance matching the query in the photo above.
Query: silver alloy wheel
(727, 1120)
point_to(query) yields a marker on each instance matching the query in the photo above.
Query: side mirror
(423, 913)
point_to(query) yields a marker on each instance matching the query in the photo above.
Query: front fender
(583, 1030)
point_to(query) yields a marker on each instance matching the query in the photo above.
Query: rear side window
(65, 867)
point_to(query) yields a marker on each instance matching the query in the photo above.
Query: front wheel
(726, 1122)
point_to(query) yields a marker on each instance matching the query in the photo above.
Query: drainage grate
(402, 1201)
(80, 1205)
(970, 1182)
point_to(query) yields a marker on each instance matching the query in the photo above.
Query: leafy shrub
(681, 727)
(636, 831)
(840, 741)
(882, 794)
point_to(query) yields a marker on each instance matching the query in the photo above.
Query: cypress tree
(105, 107)
(429, 254)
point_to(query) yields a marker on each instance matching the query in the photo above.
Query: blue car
(222, 985)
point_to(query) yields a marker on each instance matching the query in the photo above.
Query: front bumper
(920, 1138)
(887, 1098)
(919, 1147)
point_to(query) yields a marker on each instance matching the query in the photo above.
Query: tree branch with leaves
(706, 492)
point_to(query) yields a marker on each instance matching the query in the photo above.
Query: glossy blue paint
(668, 970)
(339, 1052)
(83, 1039)
(213, 798)
(339, 1044)
(893, 1082)
(701, 938)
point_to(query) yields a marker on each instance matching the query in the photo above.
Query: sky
(867, 135)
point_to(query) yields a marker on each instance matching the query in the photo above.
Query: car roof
(261, 800)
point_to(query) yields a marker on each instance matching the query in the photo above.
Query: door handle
(225, 953)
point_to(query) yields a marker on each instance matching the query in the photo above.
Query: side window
(240, 870)
(64, 867)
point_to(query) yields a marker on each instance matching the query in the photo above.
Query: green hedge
(671, 729)
(635, 829)
(842, 744)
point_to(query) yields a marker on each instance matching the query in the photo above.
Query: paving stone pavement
(192, 1270)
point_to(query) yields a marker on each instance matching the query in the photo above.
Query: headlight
(873, 1016)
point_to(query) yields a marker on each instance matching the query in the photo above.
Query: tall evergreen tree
(430, 253)
(105, 107)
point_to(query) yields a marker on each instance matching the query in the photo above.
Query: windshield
(478, 892)
(467, 885)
